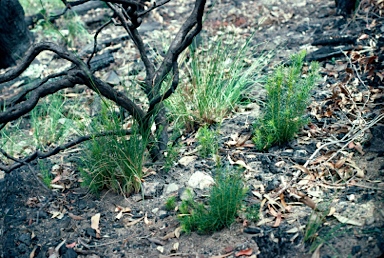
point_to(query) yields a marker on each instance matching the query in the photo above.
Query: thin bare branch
(168, 93)
(191, 27)
(95, 41)
(137, 40)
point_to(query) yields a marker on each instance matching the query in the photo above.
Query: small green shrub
(170, 204)
(223, 203)
(208, 141)
(253, 212)
(114, 162)
(288, 94)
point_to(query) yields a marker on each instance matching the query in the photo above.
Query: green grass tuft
(216, 77)
(223, 204)
(114, 162)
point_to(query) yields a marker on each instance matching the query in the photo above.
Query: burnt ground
(350, 96)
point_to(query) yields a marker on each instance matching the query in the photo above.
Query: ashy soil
(286, 180)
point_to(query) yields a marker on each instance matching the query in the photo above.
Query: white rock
(150, 188)
(171, 188)
(200, 180)
(185, 161)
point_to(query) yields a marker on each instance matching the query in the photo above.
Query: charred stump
(15, 38)
(345, 7)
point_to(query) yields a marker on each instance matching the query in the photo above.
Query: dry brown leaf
(332, 211)
(242, 164)
(308, 201)
(302, 169)
(346, 220)
(32, 253)
(119, 215)
(160, 249)
(359, 148)
(272, 211)
(243, 138)
(177, 232)
(122, 209)
(185, 161)
(316, 253)
(175, 247)
(246, 252)
(340, 163)
(71, 245)
(95, 220)
(285, 205)
(146, 220)
(169, 236)
(134, 222)
(222, 256)
(277, 221)
(155, 241)
(75, 217)
(56, 179)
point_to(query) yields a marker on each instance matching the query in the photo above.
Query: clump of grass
(223, 204)
(170, 156)
(45, 173)
(170, 204)
(208, 141)
(114, 162)
(217, 76)
(288, 94)
(50, 121)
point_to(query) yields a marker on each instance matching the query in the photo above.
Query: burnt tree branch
(41, 155)
(81, 73)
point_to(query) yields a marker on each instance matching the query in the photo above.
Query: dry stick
(358, 77)
(370, 124)
(95, 41)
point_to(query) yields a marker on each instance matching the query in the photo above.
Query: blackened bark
(15, 37)
(345, 7)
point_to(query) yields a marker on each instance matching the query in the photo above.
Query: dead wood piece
(326, 53)
(335, 41)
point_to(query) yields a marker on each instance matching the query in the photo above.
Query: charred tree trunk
(15, 37)
(345, 7)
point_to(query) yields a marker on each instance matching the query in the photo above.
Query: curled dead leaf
(246, 252)
(75, 217)
(95, 219)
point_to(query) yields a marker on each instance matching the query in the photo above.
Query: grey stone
(171, 188)
(150, 188)
(186, 194)
(200, 180)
